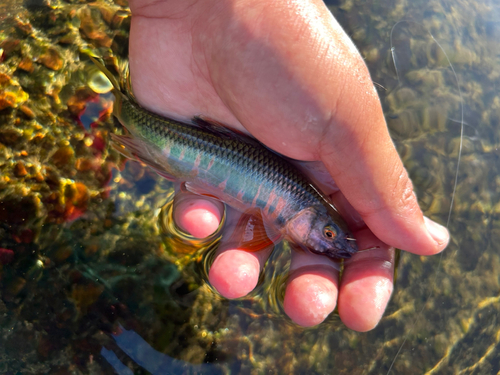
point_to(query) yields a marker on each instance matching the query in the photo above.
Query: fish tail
(107, 73)
(118, 89)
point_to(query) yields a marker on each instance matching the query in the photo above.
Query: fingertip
(413, 233)
(438, 233)
(366, 286)
(234, 273)
(310, 297)
(198, 216)
(362, 303)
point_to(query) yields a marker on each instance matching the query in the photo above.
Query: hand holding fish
(286, 73)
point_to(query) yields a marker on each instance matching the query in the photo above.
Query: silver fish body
(212, 159)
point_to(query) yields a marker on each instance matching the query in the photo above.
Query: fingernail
(438, 232)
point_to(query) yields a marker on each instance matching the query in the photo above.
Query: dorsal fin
(221, 130)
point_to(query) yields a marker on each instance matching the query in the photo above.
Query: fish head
(322, 231)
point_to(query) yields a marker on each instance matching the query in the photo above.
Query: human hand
(286, 73)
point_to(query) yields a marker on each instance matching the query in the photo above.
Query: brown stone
(27, 111)
(52, 59)
(63, 156)
(20, 169)
(76, 199)
(69, 38)
(121, 19)
(83, 164)
(26, 64)
(7, 99)
(78, 195)
(24, 26)
(38, 177)
(10, 136)
(77, 102)
(9, 45)
(89, 26)
(4, 79)
(12, 96)
(107, 13)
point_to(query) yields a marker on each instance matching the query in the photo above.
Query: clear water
(93, 281)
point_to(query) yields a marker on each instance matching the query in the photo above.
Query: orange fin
(252, 234)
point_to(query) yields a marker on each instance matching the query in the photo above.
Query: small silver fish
(213, 160)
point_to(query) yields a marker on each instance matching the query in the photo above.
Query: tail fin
(120, 94)
(107, 73)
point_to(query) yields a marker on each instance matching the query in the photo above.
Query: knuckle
(403, 193)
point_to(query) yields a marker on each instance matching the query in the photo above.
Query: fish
(213, 160)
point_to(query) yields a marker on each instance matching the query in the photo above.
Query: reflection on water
(92, 280)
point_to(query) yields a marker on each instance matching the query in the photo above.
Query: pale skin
(285, 72)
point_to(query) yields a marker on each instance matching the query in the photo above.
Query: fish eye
(329, 232)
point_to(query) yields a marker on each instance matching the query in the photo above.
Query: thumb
(372, 176)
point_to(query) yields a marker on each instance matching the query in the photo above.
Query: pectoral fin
(252, 234)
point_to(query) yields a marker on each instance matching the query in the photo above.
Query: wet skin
(286, 73)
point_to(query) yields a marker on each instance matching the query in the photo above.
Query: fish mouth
(335, 254)
(343, 254)
(345, 250)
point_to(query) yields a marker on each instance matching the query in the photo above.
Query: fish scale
(243, 158)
